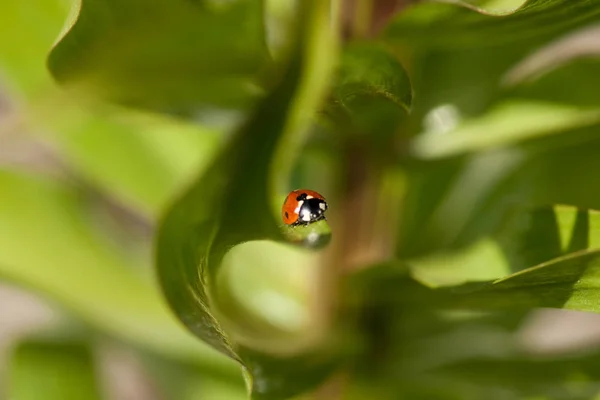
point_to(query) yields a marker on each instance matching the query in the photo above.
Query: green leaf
(567, 377)
(425, 343)
(531, 150)
(151, 157)
(184, 381)
(505, 124)
(569, 282)
(405, 331)
(527, 239)
(484, 260)
(84, 271)
(547, 233)
(178, 56)
(561, 71)
(236, 201)
(453, 19)
(371, 92)
(458, 54)
(53, 371)
(22, 62)
(564, 242)
(448, 198)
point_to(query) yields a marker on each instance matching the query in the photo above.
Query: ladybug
(303, 207)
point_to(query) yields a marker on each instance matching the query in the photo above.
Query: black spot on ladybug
(301, 197)
(287, 215)
(311, 210)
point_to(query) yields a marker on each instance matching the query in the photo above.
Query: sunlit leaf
(140, 161)
(527, 239)
(569, 282)
(482, 261)
(22, 59)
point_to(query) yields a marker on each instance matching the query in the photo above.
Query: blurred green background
(456, 146)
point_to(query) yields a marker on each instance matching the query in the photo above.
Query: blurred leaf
(265, 300)
(459, 54)
(22, 58)
(561, 71)
(530, 153)
(83, 271)
(569, 282)
(566, 84)
(503, 125)
(371, 91)
(539, 235)
(454, 21)
(446, 198)
(527, 239)
(407, 331)
(175, 380)
(42, 370)
(454, 202)
(579, 229)
(568, 378)
(150, 157)
(482, 261)
(498, 6)
(233, 203)
(178, 56)
(416, 339)
(205, 389)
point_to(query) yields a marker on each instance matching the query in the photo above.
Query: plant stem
(365, 18)
(363, 10)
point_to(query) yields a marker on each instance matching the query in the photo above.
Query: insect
(303, 207)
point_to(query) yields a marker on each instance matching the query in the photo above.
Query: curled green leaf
(233, 203)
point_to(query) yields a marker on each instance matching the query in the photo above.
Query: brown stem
(362, 241)
(366, 209)
(366, 18)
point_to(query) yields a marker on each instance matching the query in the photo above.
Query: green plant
(457, 147)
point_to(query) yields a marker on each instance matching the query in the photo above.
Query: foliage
(456, 145)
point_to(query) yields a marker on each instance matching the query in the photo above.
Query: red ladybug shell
(303, 206)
